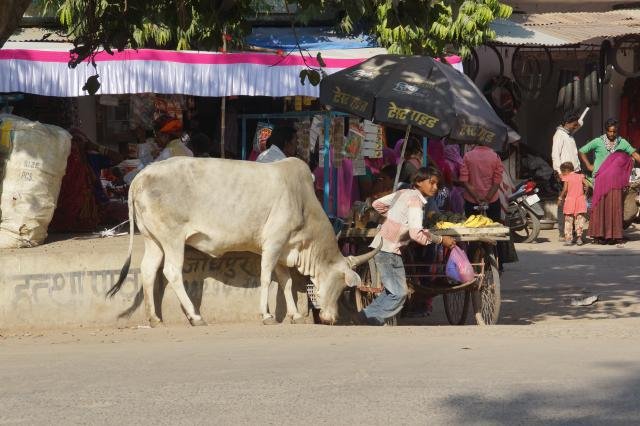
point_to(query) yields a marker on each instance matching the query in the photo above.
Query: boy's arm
(416, 232)
(382, 205)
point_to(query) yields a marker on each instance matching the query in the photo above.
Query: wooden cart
(428, 278)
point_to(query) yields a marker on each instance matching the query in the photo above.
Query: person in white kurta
(564, 150)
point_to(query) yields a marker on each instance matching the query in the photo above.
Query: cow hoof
(299, 320)
(155, 322)
(198, 322)
(269, 321)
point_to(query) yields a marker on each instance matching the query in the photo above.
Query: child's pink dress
(575, 202)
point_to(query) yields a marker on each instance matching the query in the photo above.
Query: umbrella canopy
(418, 91)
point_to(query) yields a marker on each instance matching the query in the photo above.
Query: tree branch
(10, 17)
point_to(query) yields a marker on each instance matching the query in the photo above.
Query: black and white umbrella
(419, 93)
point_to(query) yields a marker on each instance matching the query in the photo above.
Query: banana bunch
(474, 221)
(478, 221)
(446, 225)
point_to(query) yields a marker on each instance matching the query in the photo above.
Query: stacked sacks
(33, 161)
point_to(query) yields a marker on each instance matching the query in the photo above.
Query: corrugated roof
(512, 33)
(34, 34)
(561, 29)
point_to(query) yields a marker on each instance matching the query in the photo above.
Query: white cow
(219, 206)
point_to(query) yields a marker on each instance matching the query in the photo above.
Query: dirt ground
(547, 362)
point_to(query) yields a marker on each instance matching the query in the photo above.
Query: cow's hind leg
(284, 278)
(173, 262)
(148, 270)
(267, 265)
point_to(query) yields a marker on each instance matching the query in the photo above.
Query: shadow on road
(614, 401)
(542, 285)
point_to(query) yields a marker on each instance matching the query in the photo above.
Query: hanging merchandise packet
(263, 132)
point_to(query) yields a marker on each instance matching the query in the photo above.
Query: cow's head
(332, 281)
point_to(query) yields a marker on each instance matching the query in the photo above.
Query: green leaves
(434, 28)
(92, 85)
(312, 75)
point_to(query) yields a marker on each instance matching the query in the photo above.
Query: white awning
(41, 68)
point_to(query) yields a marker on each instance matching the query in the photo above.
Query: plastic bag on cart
(458, 266)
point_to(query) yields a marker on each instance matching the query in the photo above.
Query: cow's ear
(352, 278)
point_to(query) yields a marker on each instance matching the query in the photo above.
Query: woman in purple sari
(605, 224)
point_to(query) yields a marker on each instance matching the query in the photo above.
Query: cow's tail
(125, 268)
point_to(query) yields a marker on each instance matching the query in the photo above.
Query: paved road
(555, 374)
(548, 363)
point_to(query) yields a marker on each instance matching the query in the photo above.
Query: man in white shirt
(564, 149)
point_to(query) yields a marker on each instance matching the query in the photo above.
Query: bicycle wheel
(498, 57)
(624, 44)
(456, 307)
(486, 298)
(532, 70)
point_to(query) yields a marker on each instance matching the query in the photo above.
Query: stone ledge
(63, 283)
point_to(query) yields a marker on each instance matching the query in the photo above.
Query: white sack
(33, 161)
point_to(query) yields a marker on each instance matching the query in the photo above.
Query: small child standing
(575, 203)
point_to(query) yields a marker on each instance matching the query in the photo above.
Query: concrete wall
(64, 284)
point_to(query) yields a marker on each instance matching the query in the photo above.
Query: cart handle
(486, 240)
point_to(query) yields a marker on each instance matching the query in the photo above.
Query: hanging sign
(263, 132)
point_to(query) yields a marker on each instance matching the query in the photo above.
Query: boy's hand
(448, 242)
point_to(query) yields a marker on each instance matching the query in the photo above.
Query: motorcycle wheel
(529, 232)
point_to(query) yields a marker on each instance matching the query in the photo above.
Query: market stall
(326, 117)
(427, 277)
(429, 98)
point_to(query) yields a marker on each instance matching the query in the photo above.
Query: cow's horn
(354, 261)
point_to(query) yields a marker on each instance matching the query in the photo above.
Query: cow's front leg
(284, 279)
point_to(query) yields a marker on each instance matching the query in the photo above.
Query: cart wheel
(486, 299)
(369, 275)
(456, 307)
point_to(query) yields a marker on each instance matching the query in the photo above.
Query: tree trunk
(11, 12)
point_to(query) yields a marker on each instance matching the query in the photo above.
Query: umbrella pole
(223, 103)
(425, 156)
(404, 148)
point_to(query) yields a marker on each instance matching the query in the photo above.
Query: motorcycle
(524, 213)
